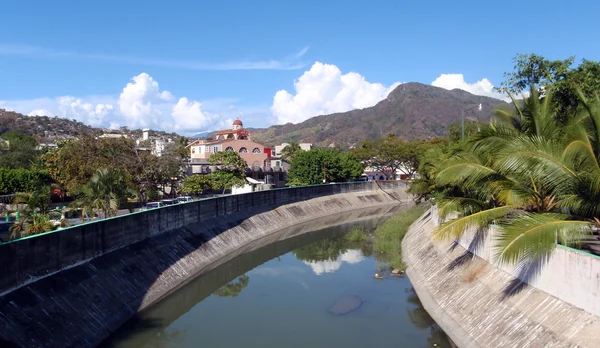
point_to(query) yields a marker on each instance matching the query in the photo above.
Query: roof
(226, 131)
(237, 122)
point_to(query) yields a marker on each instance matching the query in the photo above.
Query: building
(237, 139)
(279, 148)
(156, 144)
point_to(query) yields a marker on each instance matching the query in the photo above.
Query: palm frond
(455, 228)
(530, 236)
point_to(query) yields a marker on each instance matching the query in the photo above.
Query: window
(256, 150)
(277, 164)
(229, 148)
(215, 149)
(243, 150)
(193, 150)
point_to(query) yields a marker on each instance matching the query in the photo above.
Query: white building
(279, 148)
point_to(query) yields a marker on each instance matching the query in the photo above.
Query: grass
(357, 234)
(387, 241)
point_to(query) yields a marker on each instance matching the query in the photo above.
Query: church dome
(237, 122)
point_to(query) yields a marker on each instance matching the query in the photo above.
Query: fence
(36, 256)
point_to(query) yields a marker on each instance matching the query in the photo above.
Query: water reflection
(295, 283)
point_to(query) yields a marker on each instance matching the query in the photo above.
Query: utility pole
(463, 119)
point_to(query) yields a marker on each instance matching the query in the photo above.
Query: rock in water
(346, 305)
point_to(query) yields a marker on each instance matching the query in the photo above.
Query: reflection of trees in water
(233, 288)
(328, 249)
(422, 320)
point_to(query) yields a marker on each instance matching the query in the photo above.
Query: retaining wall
(74, 287)
(481, 305)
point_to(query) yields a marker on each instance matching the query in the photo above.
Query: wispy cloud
(291, 62)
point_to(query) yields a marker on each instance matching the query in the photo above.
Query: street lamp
(463, 118)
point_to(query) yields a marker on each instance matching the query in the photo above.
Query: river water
(313, 290)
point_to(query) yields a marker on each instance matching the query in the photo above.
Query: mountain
(412, 110)
(48, 129)
(44, 127)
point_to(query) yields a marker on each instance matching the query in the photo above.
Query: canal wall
(480, 304)
(74, 287)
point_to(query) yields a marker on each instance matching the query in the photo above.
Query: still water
(314, 290)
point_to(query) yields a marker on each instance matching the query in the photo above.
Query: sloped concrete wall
(480, 305)
(115, 268)
(568, 274)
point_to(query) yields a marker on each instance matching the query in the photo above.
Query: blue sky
(199, 64)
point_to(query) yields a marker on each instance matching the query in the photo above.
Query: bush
(388, 236)
(22, 180)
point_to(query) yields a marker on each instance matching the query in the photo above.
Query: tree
(21, 152)
(37, 199)
(104, 192)
(535, 70)
(454, 129)
(290, 150)
(560, 75)
(181, 146)
(388, 154)
(74, 163)
(534, 178)
(197, 183)
(312, 167)
(231, 172)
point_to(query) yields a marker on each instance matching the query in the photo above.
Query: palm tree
(290, 150)
(523, 174)
(103, 192)
(33, 215)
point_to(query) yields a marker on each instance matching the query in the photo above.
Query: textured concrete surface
(468, 298)
(568, 274)
(135, 261)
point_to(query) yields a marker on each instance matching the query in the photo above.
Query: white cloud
(189, 115)
(330, 266)
(93, 114)
(323, 90)
(141, 104)
(138, 100)
(40, 112)
(482, 87)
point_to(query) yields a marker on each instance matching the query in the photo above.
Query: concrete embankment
(481, 305)
(74, 287)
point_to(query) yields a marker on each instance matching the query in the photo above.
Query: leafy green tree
(454, 129)
(311, 167)
(290, 150)
(388, 154)
(37, 199)
(197, 183)
(74, 163)
(534, 178)
(560, 75)
(104, 192)
(21, 152)
(22, 180)
(232, 171)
